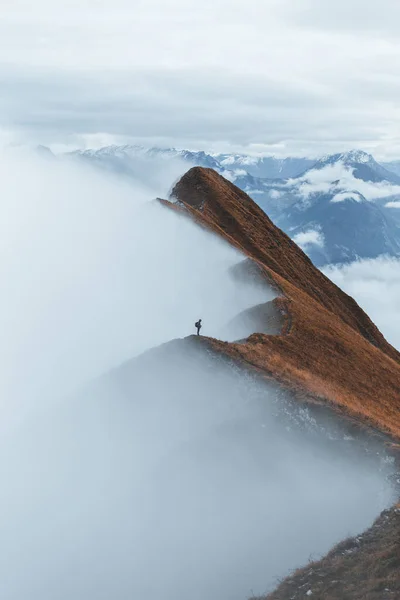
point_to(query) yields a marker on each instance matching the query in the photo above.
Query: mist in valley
(96, 271)
(133, 465)
(375, 285)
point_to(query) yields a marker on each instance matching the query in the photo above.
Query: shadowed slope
(263, 318)
(363, 568)
(331, 349)
(230, 211)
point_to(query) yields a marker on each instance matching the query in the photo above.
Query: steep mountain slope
(297, 193)
(393, 166)
(342, 227)
(331, 350)
(366, 567)
(362, 164)
(345, 198)
(173, 476)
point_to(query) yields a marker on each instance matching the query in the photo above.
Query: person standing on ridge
(198, 326)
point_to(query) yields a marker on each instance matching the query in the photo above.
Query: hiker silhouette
(198, 326)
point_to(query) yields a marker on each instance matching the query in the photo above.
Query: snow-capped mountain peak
(358, 164)
(343, 197)
(350, 158)
(357, 156)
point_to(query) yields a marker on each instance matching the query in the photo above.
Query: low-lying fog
(95, 272)
(375, 284)
(176, 475)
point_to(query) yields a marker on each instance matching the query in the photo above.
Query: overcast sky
(300, 77)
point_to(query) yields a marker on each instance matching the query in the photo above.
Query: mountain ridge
(327, 326)
(286, 187)
(358, 568)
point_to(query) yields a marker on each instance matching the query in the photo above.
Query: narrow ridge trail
(329, 350)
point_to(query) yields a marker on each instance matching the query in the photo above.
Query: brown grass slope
(331, 350)
(366, 567)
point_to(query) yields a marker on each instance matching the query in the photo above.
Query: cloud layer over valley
(96, 273)
(375, 285)
(176, 474)
(332, 177)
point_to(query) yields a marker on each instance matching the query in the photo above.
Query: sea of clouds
(375, 285)
(174, 475)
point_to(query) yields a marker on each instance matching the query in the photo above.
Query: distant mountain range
(342, 208)
(237, 165)
(338, 208)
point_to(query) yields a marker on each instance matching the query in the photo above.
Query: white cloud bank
(375, 285)
(332, 177)
(343, 196)
(175, 479)
(94, 273)
(177, 476)
(311, 237)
